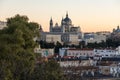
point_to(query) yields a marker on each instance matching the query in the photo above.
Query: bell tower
(51, 24)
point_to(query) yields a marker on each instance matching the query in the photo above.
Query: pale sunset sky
(90, 15)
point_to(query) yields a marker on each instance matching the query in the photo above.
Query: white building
(53, 38)
(76, 63)
(89, 52)
(95, 37)
(115, 71)
(47, 52)
(76, 52)
(44, 52)
(118, 51)
(104, 52)
(62, 51)
(69, 63)
(80, 52)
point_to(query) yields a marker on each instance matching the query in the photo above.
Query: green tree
(81, 44)
(17, 48)
(113, 42)
(48, 71)
(57, 46)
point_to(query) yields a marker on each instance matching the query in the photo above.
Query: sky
(90, 15)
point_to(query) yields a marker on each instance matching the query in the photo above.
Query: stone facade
(64, 33)
(95, 37)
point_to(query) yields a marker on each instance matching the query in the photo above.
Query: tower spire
(62, 21)
(67, 14)
(51, 25)
(51, 19)
(118, 27)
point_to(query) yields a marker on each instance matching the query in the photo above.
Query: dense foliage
(17, 58)
(110, 43)
(47, 71)
(17, 48)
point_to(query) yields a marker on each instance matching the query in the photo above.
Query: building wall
(79, 53)
(99, 38)
(114, 69)
(62, 51)
(118, 50)
(47, 52)
(75, 63)
(68, 63)
(53, 38)
(105, 52)
(76, 52)
(105, 70)
(69, 38)
(44, 52)
(89, 52)
(73, 39)
(94, 37)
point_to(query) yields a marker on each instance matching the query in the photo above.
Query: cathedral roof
(67, 19)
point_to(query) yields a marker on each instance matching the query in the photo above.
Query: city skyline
(90, 15)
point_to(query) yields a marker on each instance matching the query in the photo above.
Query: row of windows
(104, 51)
(106, 55)
(80, 54)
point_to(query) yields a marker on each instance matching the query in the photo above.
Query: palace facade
(66, 32)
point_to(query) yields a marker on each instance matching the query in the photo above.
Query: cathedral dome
(67, 20)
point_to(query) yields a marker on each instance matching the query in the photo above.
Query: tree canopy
(17, 48)
(48, 71)
(17, 58)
